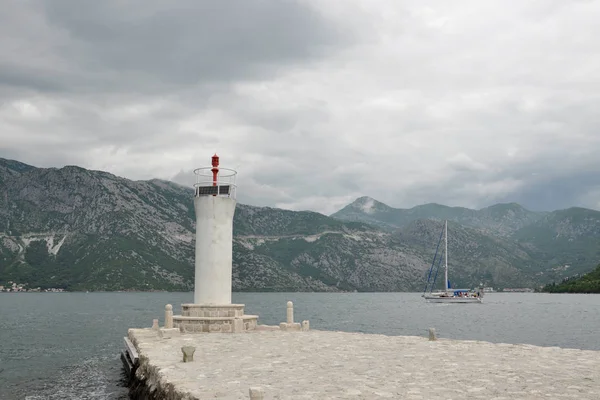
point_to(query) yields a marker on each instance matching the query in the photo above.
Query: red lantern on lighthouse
(215, 168)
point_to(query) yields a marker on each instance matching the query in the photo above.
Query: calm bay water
(66, 345)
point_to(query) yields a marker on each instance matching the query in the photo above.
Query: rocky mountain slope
(91, 230)
(558, 243)
(499, 219)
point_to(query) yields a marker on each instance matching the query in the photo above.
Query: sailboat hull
(451, 299)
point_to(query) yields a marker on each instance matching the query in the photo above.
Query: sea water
(67, 345)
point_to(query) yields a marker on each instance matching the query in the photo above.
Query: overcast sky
(315, 102)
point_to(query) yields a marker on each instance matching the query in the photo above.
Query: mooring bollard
(168, 316)
(305, 325)
(155, 324)
(188, 353)
(432, 334)
(290, 312)
(256, 393)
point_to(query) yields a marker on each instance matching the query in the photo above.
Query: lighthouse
(214, 205)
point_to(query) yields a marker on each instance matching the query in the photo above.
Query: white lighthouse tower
(214, 205)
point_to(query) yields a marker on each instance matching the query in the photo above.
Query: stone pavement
(338, 365)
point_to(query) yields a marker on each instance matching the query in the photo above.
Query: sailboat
(449, 295)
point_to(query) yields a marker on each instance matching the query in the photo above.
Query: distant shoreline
(254, 292)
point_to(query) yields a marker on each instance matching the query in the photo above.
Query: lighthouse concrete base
(214, 318)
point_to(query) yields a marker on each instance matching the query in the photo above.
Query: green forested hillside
(588, 283)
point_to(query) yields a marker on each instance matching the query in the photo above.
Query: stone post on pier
(290, 312)
(168, 316)
(257, 393)
(432, 334)
(290, 325)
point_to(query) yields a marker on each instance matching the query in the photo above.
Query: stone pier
(336, 365)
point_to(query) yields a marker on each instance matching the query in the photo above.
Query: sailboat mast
(446, 255)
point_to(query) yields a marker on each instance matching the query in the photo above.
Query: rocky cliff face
(91, 230)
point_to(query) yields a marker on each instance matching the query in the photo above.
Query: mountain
(567, 239)
(80, 229)
(473, 253)
(499, 219)
(558, 243)
(91, 230)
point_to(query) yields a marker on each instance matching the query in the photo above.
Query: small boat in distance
(449, 295)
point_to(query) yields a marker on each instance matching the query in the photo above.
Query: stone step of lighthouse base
(217, 318)
(212, 310)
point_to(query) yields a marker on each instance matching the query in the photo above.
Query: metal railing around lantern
(212, 181)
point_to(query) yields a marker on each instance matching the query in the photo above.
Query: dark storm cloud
(548, 190)
(132, 79)
(153, 45)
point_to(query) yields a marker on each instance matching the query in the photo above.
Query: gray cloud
(153, 46)
(316, 103)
